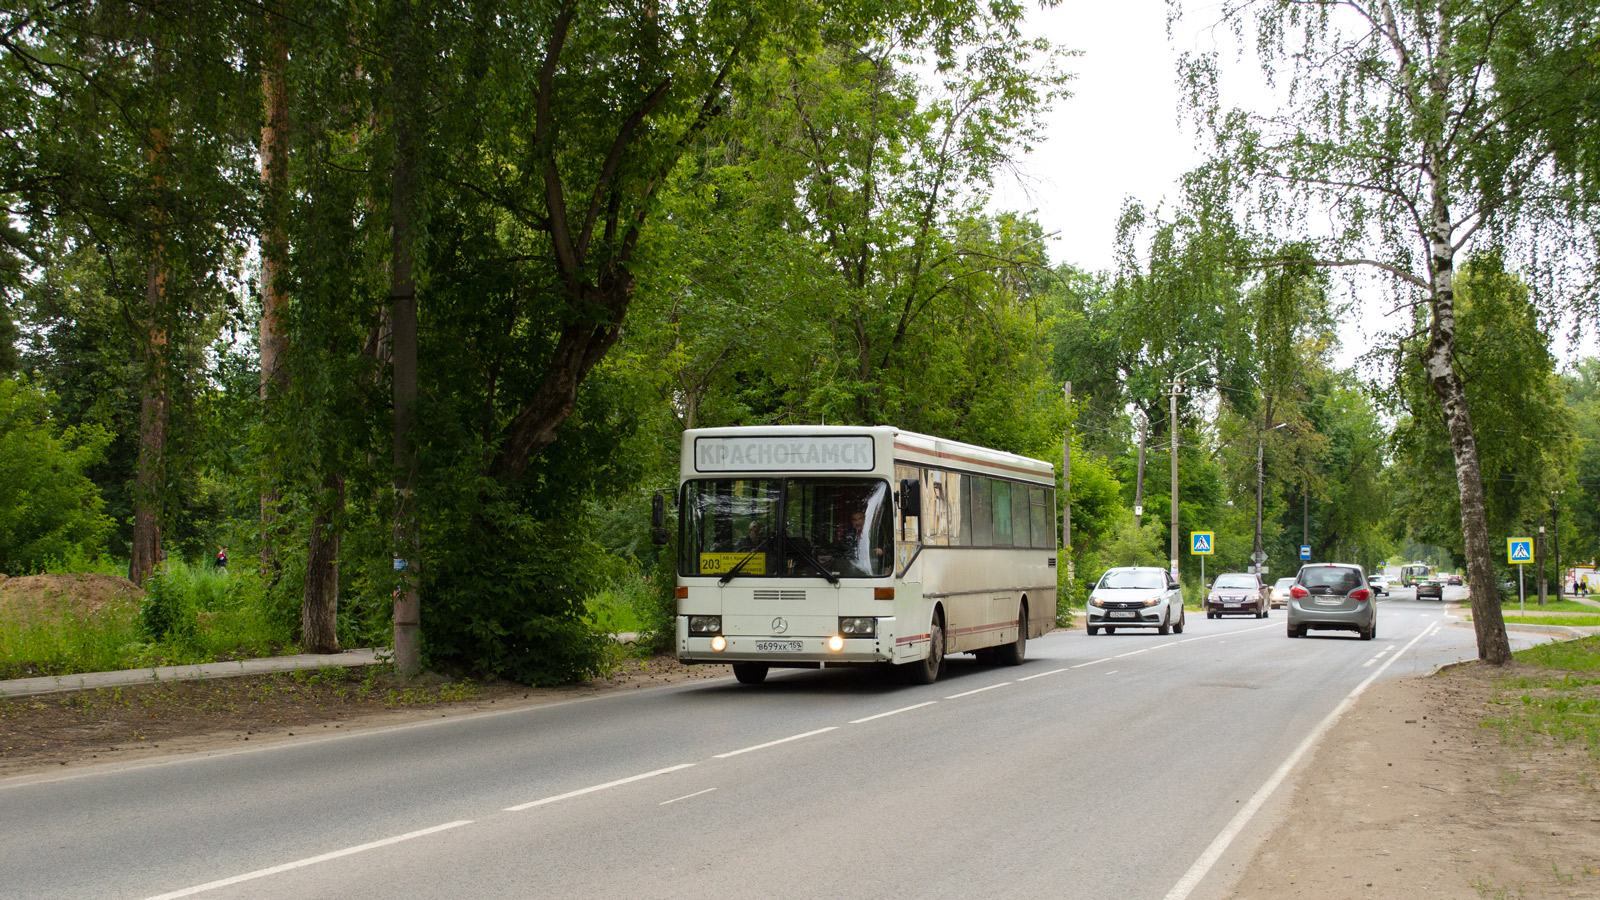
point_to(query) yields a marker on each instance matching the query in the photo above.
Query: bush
(167, 613)
(506, 599)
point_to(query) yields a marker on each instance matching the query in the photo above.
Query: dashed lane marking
(308, 861)
(977, 691)
(893, 712)
(793, 737)
(599, 787)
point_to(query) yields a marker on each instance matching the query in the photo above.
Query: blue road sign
(1200, 542)
(1519, 551)
(1305, 551)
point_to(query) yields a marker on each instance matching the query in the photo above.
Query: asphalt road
(1106, 767)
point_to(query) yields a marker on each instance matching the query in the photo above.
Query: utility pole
(1172, 427)
(1538, 560)
(1066, 486)
(1555, 523)
(1259, 556)
(1138, 482)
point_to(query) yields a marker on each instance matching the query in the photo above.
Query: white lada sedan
(1136, 597)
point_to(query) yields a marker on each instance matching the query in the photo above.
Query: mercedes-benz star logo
(779, 626)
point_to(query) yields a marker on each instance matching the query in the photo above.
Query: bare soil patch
(76, 728)
(83, 595)
(1410, 795)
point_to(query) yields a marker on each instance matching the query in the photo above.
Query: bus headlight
(719, 643)
(703, 625)
(836, 643)
(858, 626)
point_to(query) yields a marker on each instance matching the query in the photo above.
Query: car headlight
(1212, 598)
(1096, 602)
(858, 626)
(1155, 601)
(705, 624)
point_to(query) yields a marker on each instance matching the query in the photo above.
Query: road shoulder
(1409, 795)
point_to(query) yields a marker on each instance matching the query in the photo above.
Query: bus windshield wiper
(805, 552)
(749, 555)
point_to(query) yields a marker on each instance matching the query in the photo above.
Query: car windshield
(1332, 579)
(1234, 581)
(764, 527)
(1284, 582)
(1147, 579)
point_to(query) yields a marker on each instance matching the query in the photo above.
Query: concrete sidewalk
(49, 684)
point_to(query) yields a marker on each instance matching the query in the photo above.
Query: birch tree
(1396, 154)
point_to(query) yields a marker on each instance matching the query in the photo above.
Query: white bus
(808, 546)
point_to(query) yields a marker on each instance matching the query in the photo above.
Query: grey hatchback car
(1332, 596)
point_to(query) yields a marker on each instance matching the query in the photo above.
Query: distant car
(1453, 579)
(1333, 596)
(1136, 597)
(1432, 589)
(1280, 592)
(1379, 584)
(1238, 593)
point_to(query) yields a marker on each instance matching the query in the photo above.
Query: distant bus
(804, 546)
(1410, 575)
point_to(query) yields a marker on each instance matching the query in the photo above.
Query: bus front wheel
(750, 673)
(926, 671)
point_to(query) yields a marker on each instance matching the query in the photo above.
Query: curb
(88, 681)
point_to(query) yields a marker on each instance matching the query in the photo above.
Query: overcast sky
(1119, 136)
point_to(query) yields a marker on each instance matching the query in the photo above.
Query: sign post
(1519, 552)
(1202, 544)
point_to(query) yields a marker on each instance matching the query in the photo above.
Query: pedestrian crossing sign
(1200, 542)
(1519, 551)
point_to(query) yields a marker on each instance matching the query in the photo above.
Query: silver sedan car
(1332, 596)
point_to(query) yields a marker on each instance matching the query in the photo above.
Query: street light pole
(1259, 557)
(1173, 428)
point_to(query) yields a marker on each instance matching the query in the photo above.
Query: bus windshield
(764, 527)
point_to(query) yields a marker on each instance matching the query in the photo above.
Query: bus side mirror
(658, 519)
(910, 498)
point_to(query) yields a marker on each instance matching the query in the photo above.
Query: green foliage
(1522, 423)
(1557, 704)
(49, 509)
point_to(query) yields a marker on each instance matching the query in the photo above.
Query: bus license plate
(778, 646)
(1122, 614)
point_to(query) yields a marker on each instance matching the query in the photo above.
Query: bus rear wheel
(1014, 653)
(750, 673)
(926, 671)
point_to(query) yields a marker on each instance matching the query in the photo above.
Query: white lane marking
(302, 863)
(1209, 857)
(977, 691)
(598, 787)
(1369, 662)
(686, 796)
(893, 712)
(1040, 675)
(1112, 672)
(775, 743)
(1383, 652)
(1090, 663)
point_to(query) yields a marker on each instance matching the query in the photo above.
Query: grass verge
(1560, 702)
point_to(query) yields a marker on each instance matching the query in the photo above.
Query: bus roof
(895, 445)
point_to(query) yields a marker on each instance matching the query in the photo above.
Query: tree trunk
(403, 321)
(1439, 363)
(155, 405)
(274, 255)
(154, 414)
(319, 606)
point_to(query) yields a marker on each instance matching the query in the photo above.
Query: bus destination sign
(783, 454)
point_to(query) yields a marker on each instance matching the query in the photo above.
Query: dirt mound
(82, 595)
